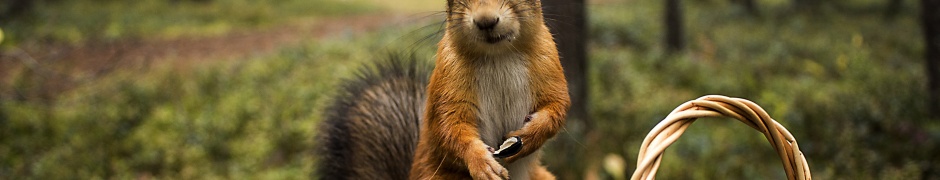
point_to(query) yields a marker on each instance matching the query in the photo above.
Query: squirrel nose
(486, 23)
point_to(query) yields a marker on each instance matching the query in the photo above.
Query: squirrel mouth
(493, 39)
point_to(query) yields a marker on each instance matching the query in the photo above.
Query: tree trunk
(930, 16)
(673, 26)
(749, 5)
(567, 21)
(893, 8)
(807, 5)
(16, 8)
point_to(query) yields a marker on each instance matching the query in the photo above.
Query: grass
(77, 22)
(848, 83)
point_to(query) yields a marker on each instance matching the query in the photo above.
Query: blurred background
(221, 89)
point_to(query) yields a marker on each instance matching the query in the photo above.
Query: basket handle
(667, 131)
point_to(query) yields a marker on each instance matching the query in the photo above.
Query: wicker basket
(667, 131)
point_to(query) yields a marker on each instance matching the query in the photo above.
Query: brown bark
(930, 16)
(567, 22)
(893, 8)
(751, 6)
(673, 21)
(15, 8)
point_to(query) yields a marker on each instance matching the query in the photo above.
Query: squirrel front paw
(486, 167)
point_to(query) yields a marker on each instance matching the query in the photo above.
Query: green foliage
(254, 118)
(84, 20)
(850, 86)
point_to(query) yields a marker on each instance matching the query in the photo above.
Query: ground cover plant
(845, 79)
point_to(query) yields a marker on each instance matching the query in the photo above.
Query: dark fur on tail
(371, 128)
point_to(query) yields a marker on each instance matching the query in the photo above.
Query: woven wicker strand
(667, 131)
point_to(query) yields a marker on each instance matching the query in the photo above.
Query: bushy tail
(371, 128)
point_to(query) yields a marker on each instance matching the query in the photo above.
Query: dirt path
(60, 67)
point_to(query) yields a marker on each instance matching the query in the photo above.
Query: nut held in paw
(510, 147)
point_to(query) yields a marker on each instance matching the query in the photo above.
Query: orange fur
(450, 145)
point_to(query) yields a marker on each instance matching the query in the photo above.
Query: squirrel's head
(494, 26)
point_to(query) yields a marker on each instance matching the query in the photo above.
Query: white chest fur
(505, 98)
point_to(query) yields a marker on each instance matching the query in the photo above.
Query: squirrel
(497, 77)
